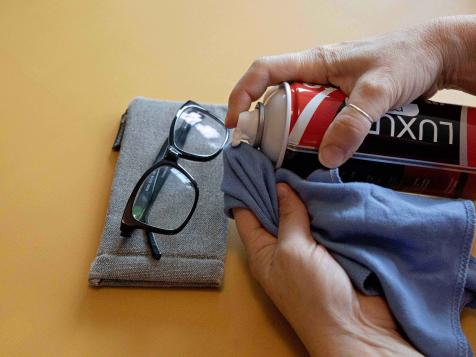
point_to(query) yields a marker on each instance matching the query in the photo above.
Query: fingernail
(282, 191)
(331, 156)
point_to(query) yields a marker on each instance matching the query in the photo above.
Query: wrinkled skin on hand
(377, 74)
(312, 290)
(307, 285)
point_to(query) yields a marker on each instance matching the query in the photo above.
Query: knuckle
(326, 57)
(373, 87)
(324, 54)
(285, 211)
(380, 91)
(284, 253)
(260, 63)
(259, 69)
(290, 210)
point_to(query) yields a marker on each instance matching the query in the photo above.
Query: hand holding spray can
(424, 147)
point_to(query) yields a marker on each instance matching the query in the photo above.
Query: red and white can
(424, 147)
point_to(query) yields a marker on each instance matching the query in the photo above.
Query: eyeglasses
(165, 197)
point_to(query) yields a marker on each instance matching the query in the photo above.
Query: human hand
(311, 289)
(377, 75)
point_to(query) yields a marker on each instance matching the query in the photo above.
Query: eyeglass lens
(198, 133)
(165, 198)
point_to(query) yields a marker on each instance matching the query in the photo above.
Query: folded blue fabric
(414, 250)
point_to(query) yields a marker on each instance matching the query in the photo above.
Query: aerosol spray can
(424, 147)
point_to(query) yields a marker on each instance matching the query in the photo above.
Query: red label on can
(430, 181)
(313, 107)
(422, 133)
(425, 146)
(471, 135)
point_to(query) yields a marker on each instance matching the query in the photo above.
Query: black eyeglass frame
(170, 158)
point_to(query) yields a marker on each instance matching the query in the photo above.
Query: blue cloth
(414, 250)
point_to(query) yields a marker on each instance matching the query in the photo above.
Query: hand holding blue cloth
(400, 246)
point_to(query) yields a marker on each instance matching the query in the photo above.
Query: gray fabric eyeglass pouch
(192, 258)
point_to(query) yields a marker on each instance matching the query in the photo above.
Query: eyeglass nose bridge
(172, 154)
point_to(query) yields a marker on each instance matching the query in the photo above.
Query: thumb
(349, 128)
(293, 216)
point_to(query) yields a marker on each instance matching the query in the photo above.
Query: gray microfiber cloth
(192, 258)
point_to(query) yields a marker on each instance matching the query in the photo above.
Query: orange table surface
(68, 69)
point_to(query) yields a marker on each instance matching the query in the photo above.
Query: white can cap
(247, 128)
(267, 127)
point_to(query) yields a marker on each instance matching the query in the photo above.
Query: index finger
(306, 66)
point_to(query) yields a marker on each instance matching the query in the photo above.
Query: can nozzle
(249, 127)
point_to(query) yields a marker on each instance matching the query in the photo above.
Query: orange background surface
(68, 69)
